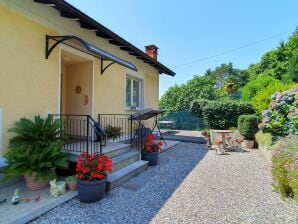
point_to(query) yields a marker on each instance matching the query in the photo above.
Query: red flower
(93, 167)
(151, 146)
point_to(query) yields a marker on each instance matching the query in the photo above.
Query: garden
(259, 103)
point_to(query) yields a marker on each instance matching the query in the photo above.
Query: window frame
(141, 92)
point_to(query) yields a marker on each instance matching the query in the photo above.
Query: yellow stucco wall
(30, 84)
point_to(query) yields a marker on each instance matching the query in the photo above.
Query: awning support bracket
(89, 49)
(102, 69)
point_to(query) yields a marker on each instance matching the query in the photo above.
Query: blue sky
(192, 30)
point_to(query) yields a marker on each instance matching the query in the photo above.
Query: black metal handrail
(84, 134)
(130, 129)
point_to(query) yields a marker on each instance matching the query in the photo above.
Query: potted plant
(34, 151)
(71, 182)
(113, 132)
(92, 173)
(151, 150)
(248, 127)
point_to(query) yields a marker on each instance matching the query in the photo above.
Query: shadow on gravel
(158, 183)
(141, 198)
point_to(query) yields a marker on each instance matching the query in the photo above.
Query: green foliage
(43, 161)
(293, 181)
(279, 63)
(248, 126)
(280, 173)
(198, 105)
(264, 139)
(39, 132)
(285, 167)
(224, 114)
(36, 148)
(263, 97)
(71, 179)
(254, 86)
(113, 132)
(178, 98)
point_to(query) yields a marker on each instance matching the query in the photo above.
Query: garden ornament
(16, 197)
(57, 188)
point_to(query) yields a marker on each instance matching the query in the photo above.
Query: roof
(86, 22)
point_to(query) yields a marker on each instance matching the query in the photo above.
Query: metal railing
(123, 128)
(83, 133)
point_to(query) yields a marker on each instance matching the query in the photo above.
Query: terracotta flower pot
(152, 158)
(72, 186)
(34, 185)
(248, 144)
(89, 192)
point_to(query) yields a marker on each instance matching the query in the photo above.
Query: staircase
(126, 165)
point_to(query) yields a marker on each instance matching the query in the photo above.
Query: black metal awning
(82, 45)
(68, 11)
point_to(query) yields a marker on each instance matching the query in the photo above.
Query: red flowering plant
(151, 145)
(93, 167)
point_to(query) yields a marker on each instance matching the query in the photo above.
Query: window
(133, 93)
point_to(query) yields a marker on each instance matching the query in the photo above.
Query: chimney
(152, 51)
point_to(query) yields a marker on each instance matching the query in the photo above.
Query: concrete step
(121, 176)
(125, 159)
(117, 150)
(111, 151)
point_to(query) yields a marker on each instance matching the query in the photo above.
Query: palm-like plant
(39, 132)
(35, 148)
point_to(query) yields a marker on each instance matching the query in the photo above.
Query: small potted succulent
(151, 150)
(92, 171)
(248, 127)
(71, 182)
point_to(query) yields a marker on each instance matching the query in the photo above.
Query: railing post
(131, 134)
(87, 148)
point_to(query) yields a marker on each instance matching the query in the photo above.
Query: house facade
(57, 60)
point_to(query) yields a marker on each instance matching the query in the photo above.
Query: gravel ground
(190, 185)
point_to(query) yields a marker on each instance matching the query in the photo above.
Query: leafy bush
(254, 86)
(36, 148)
(39, 132)
(224, 114)
(263, 97)
(198, 105)
(285, 167)
(43, 161)
(248, 126)
(113, 132)
(280, 173)
(264, 139)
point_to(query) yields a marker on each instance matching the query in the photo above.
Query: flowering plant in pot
(151, 150)
(92, 173)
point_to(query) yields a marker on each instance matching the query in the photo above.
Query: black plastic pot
(91, 191)
(152, 158)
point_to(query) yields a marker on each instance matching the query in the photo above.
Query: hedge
(224, 114)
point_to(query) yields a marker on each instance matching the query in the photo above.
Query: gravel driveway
(190, 185)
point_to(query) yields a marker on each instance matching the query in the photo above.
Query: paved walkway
(190, 185)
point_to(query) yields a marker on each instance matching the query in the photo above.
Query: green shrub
(280, 173)
(198, 105)
(285, 167)
(251, 88)
(113, 132)
(262, 98)
(224, 114)
(248, 126)
(264, 139)
(36, 148)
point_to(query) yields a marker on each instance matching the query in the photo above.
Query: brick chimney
(152, 51)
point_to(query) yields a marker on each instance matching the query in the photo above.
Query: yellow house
(57, 60)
